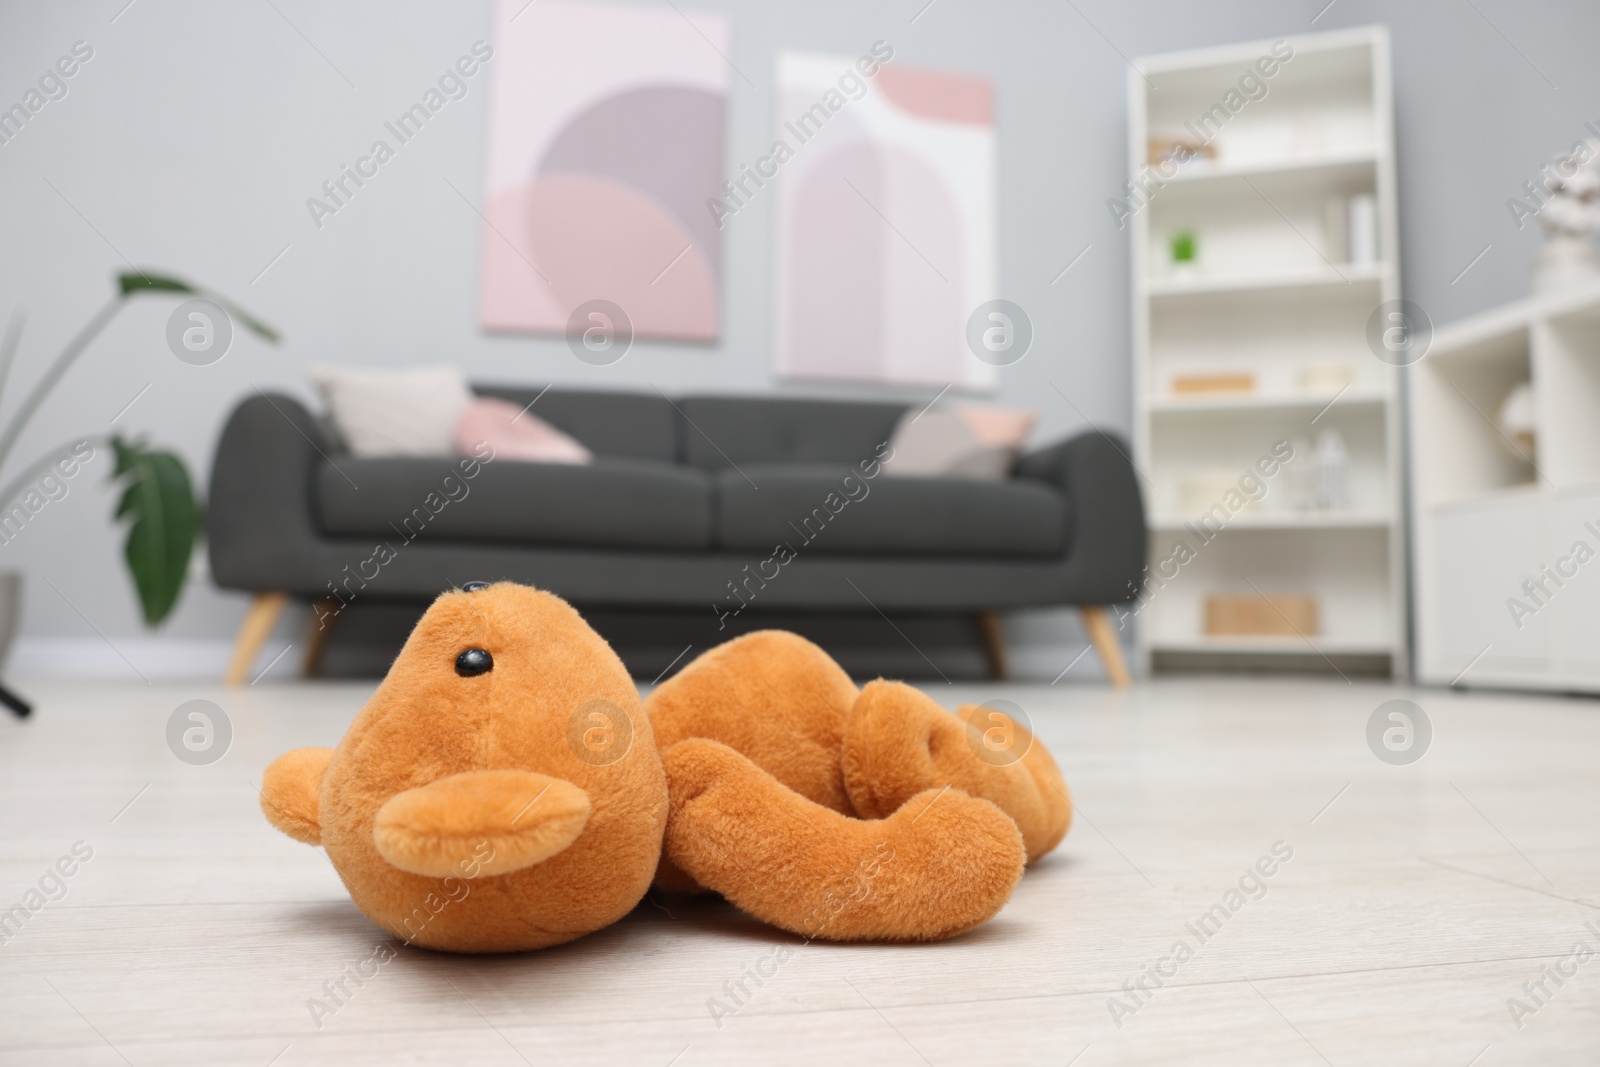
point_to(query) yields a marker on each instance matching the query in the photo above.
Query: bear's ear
(290, 788)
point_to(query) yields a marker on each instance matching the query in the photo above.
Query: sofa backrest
(710, 432)
(629, 425)
(724, 430)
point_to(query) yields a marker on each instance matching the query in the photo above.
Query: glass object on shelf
(1301, 476)
(1333, 465)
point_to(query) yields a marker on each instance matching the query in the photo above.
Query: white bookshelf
(1484, 519)
(1271, 295)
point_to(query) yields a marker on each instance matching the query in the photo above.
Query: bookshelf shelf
(1315, 520)
(1318, 168)
(1329, 276)
(1266, 402)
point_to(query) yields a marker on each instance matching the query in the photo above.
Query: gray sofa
(689, 504)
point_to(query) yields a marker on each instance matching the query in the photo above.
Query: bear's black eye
(473, 587)
(473, 662)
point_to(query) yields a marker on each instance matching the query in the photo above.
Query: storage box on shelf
(1258, 261)
(1507, 544)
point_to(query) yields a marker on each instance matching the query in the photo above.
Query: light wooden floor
(1418, 900)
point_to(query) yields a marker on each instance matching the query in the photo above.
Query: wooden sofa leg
(323, 612)
(994, 642)
(253, 633)
(1106, 645)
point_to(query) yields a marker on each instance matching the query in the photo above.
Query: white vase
(1565, 261)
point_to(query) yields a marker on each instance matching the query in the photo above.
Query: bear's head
(500, 791)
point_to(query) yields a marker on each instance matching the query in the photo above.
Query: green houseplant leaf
(158, 500)
(134, 282)
(164, 520)
(130, 282)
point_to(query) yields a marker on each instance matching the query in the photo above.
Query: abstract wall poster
(886, 235)
(606, 137)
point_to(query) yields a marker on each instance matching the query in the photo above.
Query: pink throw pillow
(514, 434)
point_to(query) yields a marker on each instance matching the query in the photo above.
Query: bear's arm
(290, 788)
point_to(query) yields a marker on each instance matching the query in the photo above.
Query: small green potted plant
(1184, 249)
(158, 501)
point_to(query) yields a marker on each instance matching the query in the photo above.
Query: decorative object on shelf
(1300, 482)
(911, 154)
(606, 132)
(1204, 490)
(1515, 419)
(1180, 150)
(1222, 382)
(1183, 248)
(1361, 230)
(1569, 220)
(1350, 229)
(1308, 136)
(1328, 377)
(1333, 466)
(1336, 229)
(1253, 615)
(158, 501)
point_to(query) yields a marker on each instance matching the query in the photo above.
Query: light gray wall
(194, 136)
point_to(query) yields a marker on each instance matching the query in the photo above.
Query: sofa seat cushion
(835, 510)
(611, 502)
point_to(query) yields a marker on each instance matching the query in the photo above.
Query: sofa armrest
(260, 525)
(1107, 550)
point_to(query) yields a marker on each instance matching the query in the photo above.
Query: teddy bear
(506, 789)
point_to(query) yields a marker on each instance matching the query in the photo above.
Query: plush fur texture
(431, 807)
(533, 803)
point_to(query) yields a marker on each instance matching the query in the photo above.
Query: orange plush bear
(505, 789)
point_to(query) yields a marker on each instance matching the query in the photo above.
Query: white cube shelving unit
(1486, 518)
(1274, 295)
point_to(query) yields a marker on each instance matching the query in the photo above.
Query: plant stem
(63, 363)
(15, 486)
(8, 347)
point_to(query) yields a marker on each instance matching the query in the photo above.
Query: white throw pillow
(382, 412)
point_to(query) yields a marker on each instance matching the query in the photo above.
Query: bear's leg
(773, 696)
(900, 742)
(943, 863)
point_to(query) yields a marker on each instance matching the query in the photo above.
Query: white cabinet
(1498, 542)
(1507, 544)
(1572, 551)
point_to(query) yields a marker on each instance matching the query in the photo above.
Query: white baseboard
(170, 659)
(132, 658)
(1074, 662)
